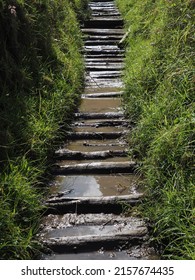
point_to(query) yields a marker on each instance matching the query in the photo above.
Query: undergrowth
(41, 75)
(159, 100)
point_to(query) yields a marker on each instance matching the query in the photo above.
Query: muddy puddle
(98, 129)
(101, 254)
(97, 105)
(95, 145)
(97, 255)
(93, 82)
(95, 185)
(105, 89)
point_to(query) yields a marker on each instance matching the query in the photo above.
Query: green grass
(159, 100)
(41, 78)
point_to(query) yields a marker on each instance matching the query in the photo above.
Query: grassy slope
(159, 99)
(41, 74)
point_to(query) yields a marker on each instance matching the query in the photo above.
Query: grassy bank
(159, 100)
(41, 74)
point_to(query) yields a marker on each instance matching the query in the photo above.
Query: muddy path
(94, 178)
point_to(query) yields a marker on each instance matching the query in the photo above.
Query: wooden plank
(102, 94)
(68, 154)
(109, 115)
(131, 236)
(96, 200)
(95, 168)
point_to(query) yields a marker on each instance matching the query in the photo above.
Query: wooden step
(95, 168)
(100, 31)
(102, 95)
(68, 154)
(108, 115)
(91, 205)
(109, 67)
(72, 231)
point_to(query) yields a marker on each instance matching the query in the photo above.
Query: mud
(95, 185)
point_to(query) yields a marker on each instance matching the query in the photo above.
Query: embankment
(41, 78)
(159, 100)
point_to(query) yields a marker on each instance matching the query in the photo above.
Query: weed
(159, 99)
(41, 77)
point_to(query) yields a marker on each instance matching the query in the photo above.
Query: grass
(41, 78)
(159, 100)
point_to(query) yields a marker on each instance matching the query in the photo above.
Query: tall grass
(41, 75)
(159, 100)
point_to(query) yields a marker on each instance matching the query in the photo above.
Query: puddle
(99, 105)
(104, 255)
(136, 253)
(99, 255)
(94, 185)
(95, 145)
(102, 89)
(102, 83)
(99, 129)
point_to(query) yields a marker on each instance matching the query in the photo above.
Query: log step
(101, 42)
(101, 5)
(71, 243)
(98, 51)
(104, 19)
(94, 31)
(102, 123)
(108, 115)
(102, 95)
(92, 232)
(104, 56)
(103, 75)
(103, 63)
(83, 205)
(105, 38)
(104, 13)
(102, 83)
(68, 154)
(71, 219)
(102, 47)
(132, 199)
(106, 60)
(109, 67)
(95, 168)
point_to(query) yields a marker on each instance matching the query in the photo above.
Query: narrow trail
(94, 178)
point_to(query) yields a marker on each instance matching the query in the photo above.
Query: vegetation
(159, 100)
(41, 74)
